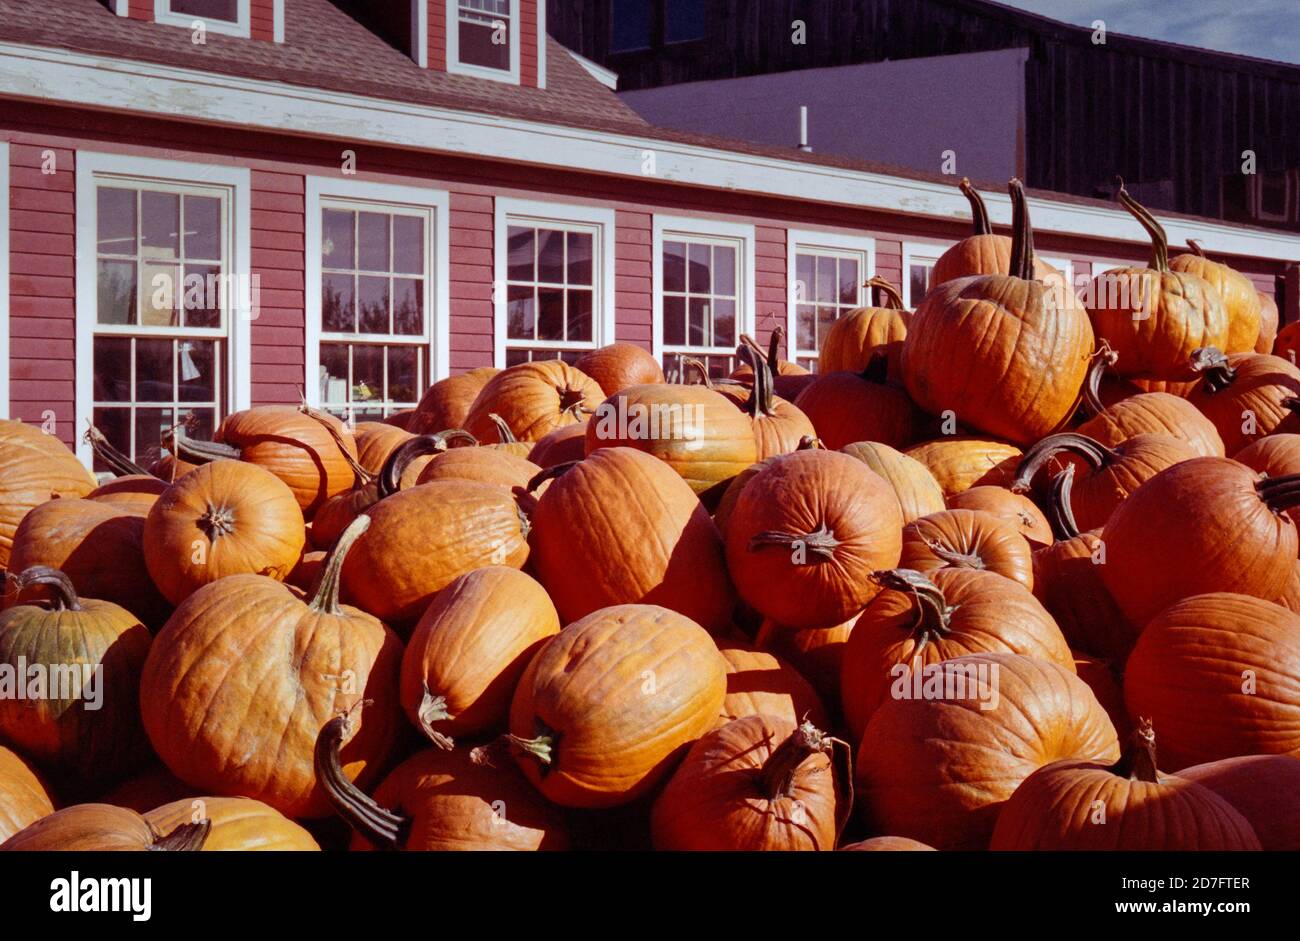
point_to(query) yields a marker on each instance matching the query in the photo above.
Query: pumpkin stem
(119, 463)
(504, 434)
(1059, 509)
(1022, 234)
(381, 826)
(434, 709)
(778, 771)
(774, 349)
(217, 522)
(201, 452)
(1195, 246)
(810, 443)
(362, 475)
(1139, 760)
(188, 838)
(325, 594)
(759, 404)
(1212, 363)
(817, 546)
(1101, 359)
(571, 400)
(65, 594)
(542, 747)
(978, 211)
(400, 458)
(1094, 453)
(691, 363)
(1279, 493)
(1159, 240)
(954, 558)
(933, 613)
(887, 296)
(550, 473)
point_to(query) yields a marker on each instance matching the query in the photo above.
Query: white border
(909, 250)
(438, 313)
(242, 314)
(505, 209)
(122, 7)
(541, 43)
(73, 78)
(162, 14)
(4, 279)
(715, 228)
(456, 67)
(811, 239)
(278, 28)
(420, 32)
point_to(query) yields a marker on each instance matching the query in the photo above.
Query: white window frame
(321, 190)
(916, 250)
(1061, 264)
(807, 240)
(162, 13)
(93, 168)
(508, 211)
(456, 67)
(664, 228)
(4, 279)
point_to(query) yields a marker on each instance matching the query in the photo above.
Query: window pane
(115, 221)
(408, 306)
(724, 270)
(580, 257)
(203, 422)
(550, 314)
(196, 370)
(112, 369)
(724, 323)
(675, 320)
(550, 256)
(519, 254)
(697, 330)
(116, 303)
(698, 280)
(403, 373)
(372, 241)
(160, 231)
(337, 242)
(579, 315)
(158, 306)
(408, 245)
(919, 278)
(153, 370)
(520, 312)
(849, 281)
(825, 319)
(484, 38)
(201, 299)
(150, 424)
(372, 305)
(805, 325)
(827, 286)
(367, 372)
(674, 266)
(683, 20)
(334, 372)
(227, 10)
(629, 25)
(338, 303)
(803, 267)
(203, 227)
(115, 423)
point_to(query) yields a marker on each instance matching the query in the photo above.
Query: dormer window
(483, 38)
(217, 16)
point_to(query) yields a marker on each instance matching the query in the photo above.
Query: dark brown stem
(978, 211)
(774, 349)
(381, 826)
(1139, 760)
(504, 434)
(65, 594)
(690, 362)
(572, 400)
(325, 594)
(933, 613)
(1059, 509)
(1156, 232)
(1195, 246)
(187, 838)
(1279, 493)
(434, 709)
(119, 463)
(760, 402)
(550, 473)
(1096, 454)
(362, 475)
(390, 475)
(1104, 357)
(810, 443)
(952, 557)
(887, 296)
(201, 452)
(217, 522)
(1212, 363)
(1022, 234)
(778, 771)
(818, 545)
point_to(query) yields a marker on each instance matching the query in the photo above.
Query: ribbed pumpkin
(375, 441)
(486, 465)
(1084, 805)
(1269, 321)
(816, 652)
(1005, 353)
(100, 828)
(1205, 525)
(34, 468)
(533, 399)
(1106, 685)
(1154, 317)
(846, 407)
(759, 683)
(1265, 789)
(1240, 298)
(247, 671)
(224, 518)
(99, 546)
(758, 783)
(469, 649)
(917, 491)
(959, 462)
(24, 797)
(806, 533)
(440, 800)
(919, 621)
(788, 379)
(619, 365)
(1014, 508)
(606, 708)
(855, 338)
(779, 426)
(970, 539)
(621, 528)
(238, 824)
(1246, 395)
(564, 444)
(1276, 455)
(1219, 675)
(983, 252)
(82, 720)
(421, 539)
(445, 404)
(696, 431)
(939, 770)
(1288, 342)
(887, 844)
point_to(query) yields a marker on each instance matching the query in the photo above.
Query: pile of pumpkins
(1017, 570)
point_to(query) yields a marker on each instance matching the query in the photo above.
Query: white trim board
(4, 279)
(102, 82)
(515, 34)
(420, 32)
(239, 182)
(162, 13)
(910, 250)
(795, 239)
(278, 23)
(541, 43)
(504, 209)
(438, 257)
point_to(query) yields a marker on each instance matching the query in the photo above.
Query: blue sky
(1269, 29)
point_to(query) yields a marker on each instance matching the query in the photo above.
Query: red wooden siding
(42, 288)
(528, 43)
(471, 247)
(889, 260)
(437, 14)
(140, 10)
(262, 19)
(633, 271)
(771, 292)
(278, 330)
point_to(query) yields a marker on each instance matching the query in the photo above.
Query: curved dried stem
(978, 211)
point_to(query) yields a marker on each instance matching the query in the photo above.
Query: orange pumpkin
(34, 468)
(816, 652)
(375, 441)
(1269, 321)
(1265, 789)
(1014, 508)
(445, 404)
(846, 407)
(855, 338)
(533, 399)
(564, 444)
(619, 365)
(959, 462)
(237, 824)
(24, 797)
(1240, 298)
(887, 844)
(971, 539)
(759, 683)
(99, 828)
(788, 379)
(779, 426)
(917, 491)
(1246, 395)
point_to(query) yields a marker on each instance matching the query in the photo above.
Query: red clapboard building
(212, 204)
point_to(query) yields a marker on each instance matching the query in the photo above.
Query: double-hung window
(826, 275)
(703, 291)
(163, 297)
(376, 288)
(554, 280)
(918, 267)
(217, 16)
(483, 38)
